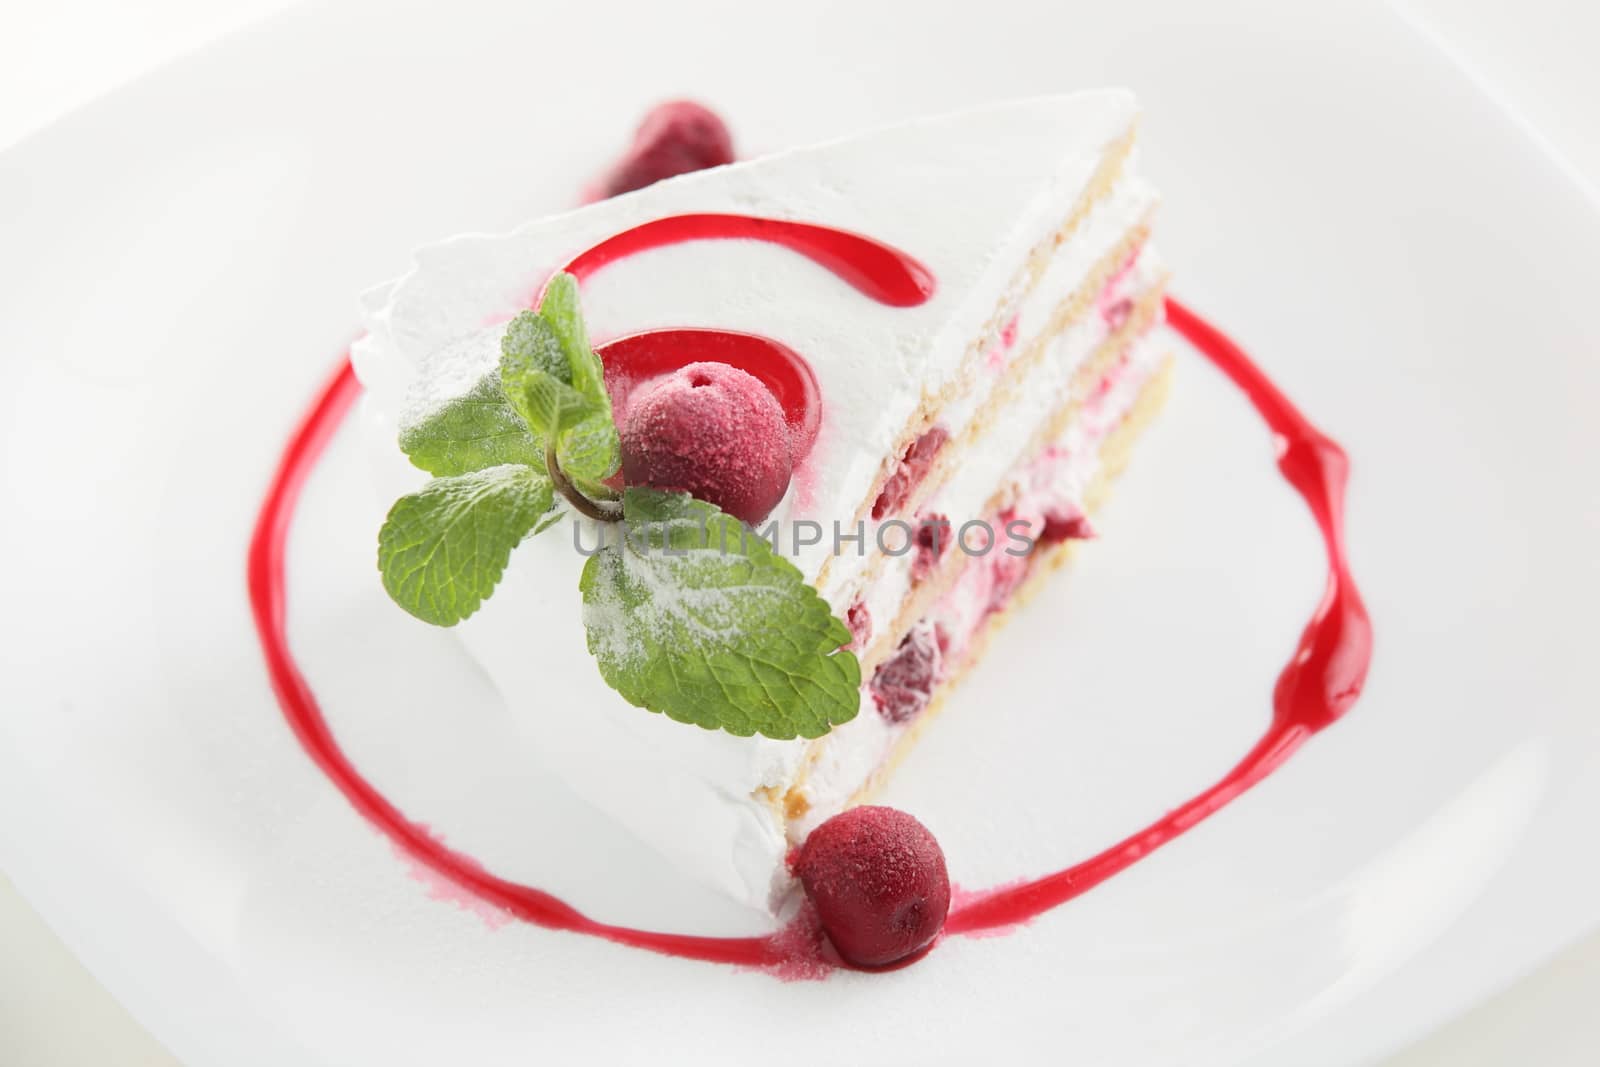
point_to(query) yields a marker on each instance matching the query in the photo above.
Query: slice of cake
(953, 317)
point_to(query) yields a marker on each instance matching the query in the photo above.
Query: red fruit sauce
(1318, 685)
(876, 270)
(639, 358)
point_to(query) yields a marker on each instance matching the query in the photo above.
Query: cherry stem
(599, 510)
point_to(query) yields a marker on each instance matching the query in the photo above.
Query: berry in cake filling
(904, 683)
(712, 431)
(1115, 302)
(1063, 525)
(877, 878)
(1005, 574)
(909, 472)
(675, 138)
(1000, 355)
(930, 543)
(859, 621)
(1116, 315)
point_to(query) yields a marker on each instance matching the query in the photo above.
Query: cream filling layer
(979, 471)
(1053, 481)
(1131, 198)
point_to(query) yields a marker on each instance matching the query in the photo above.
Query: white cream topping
(968, 194)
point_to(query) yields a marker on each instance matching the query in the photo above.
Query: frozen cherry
(712, 431)
(878, 881)
(675, 138)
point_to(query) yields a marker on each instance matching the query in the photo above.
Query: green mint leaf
(733, 640)
(443, 548)
(547, 404)
(471, 432)
(537, 379)
(590, 452)
(560, 308)
(533, 343)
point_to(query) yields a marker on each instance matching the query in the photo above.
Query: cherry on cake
(900, 370)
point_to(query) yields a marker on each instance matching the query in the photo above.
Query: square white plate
(178, 266)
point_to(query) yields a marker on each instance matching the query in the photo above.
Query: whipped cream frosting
(970, 195)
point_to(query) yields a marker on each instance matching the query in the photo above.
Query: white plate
(179, 268)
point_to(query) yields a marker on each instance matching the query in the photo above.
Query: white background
(1535, 57)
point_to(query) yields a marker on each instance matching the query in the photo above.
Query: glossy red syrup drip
(632, 360)
(1319, 684)
(1316, 687)
(876, 270)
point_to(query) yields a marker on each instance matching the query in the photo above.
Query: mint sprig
(687, 612)
(470, 432)
(556, 383)
(442, 549)
(538, 424)
(692, 615)
(536, 378)
(560, 308)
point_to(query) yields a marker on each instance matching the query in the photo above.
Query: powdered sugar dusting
(668, 594)
(805, 954)
(450, 373)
